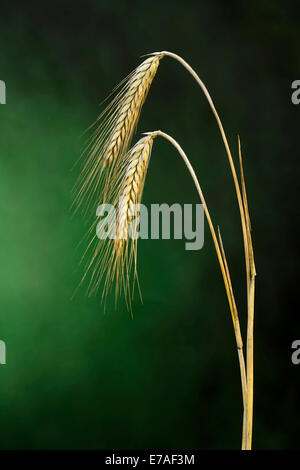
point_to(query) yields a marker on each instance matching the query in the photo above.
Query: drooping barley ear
(116, 257)
(111, 139)
(138, 87)
(132, 187)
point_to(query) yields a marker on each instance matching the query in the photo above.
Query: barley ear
(112, 135)
(114, 260)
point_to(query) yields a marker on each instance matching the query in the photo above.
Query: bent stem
(222, 262)
(236, 183)
(248, 250)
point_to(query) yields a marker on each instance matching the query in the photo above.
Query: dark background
(168, 378)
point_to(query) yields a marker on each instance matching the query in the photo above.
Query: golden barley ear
(113, 260)
(111, 138)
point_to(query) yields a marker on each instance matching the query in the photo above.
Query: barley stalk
(222, 262)
(123, 176)
(248, 251)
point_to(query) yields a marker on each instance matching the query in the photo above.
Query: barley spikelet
(115, 258)
(112, 136)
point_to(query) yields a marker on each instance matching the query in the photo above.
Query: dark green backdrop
(76, 378)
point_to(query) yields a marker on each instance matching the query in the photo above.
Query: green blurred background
(77, 378)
